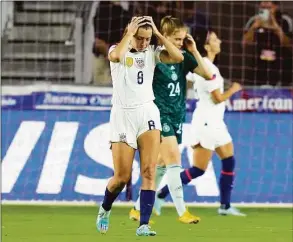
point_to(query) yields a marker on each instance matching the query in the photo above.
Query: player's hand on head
(190, 43)
(236, 87)
(154, 27)
(135, 23)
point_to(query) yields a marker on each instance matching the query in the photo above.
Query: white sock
(175, 188)
(160, 172)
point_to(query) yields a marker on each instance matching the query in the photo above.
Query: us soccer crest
(122, 137)
(129, 61)
(139, 61)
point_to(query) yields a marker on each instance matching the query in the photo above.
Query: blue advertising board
(92, 98)
(55, 146)
(64, 155)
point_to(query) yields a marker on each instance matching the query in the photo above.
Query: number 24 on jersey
(174, 89)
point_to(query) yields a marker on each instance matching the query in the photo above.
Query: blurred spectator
(137, 8)
(158, 10)
(271, 31)
(109, 23)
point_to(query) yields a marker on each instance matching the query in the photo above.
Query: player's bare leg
(149, 145)
(170, 154)
(123, 156)
(201, 158)
(134, 213)
(226, 154)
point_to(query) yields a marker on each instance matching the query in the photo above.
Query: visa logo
(56, 159)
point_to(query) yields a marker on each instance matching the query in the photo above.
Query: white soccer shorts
(127, 124)
(209, 135)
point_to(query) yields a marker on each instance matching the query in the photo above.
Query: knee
(148, 172)
(121, 179)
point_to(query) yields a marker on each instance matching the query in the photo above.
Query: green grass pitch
(77, 224)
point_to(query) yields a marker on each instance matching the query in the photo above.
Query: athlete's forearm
(120, 50)
(229, 93)
(202, 69)
(222, 97)
(174, 53)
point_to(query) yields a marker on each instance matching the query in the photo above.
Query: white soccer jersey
(133, 77)
(206, 109)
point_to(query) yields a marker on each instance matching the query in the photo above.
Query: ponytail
(169, 25)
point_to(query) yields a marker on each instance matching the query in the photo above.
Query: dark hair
(145, 26)
(170, 24)
(201, 38)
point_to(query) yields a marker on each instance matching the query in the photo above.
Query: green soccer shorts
(171, 128)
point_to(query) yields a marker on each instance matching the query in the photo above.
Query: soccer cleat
(102, 221)
(135, 215)
(188, 218)
(230, 211)
(145, 230)
(158, 205)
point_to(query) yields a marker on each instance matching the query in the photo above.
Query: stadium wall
(53, 153)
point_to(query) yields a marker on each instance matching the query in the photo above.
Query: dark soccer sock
(109, 198)
(147, 199)
(191, 173)
(226, 181)
(186, 177)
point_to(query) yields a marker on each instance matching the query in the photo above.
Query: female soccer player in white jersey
(169, 87)
(209, 132)
(135, 119)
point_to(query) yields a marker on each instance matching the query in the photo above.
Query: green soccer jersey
(169, 86)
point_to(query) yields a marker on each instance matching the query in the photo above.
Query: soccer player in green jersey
(169, 86)
(208, 131)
